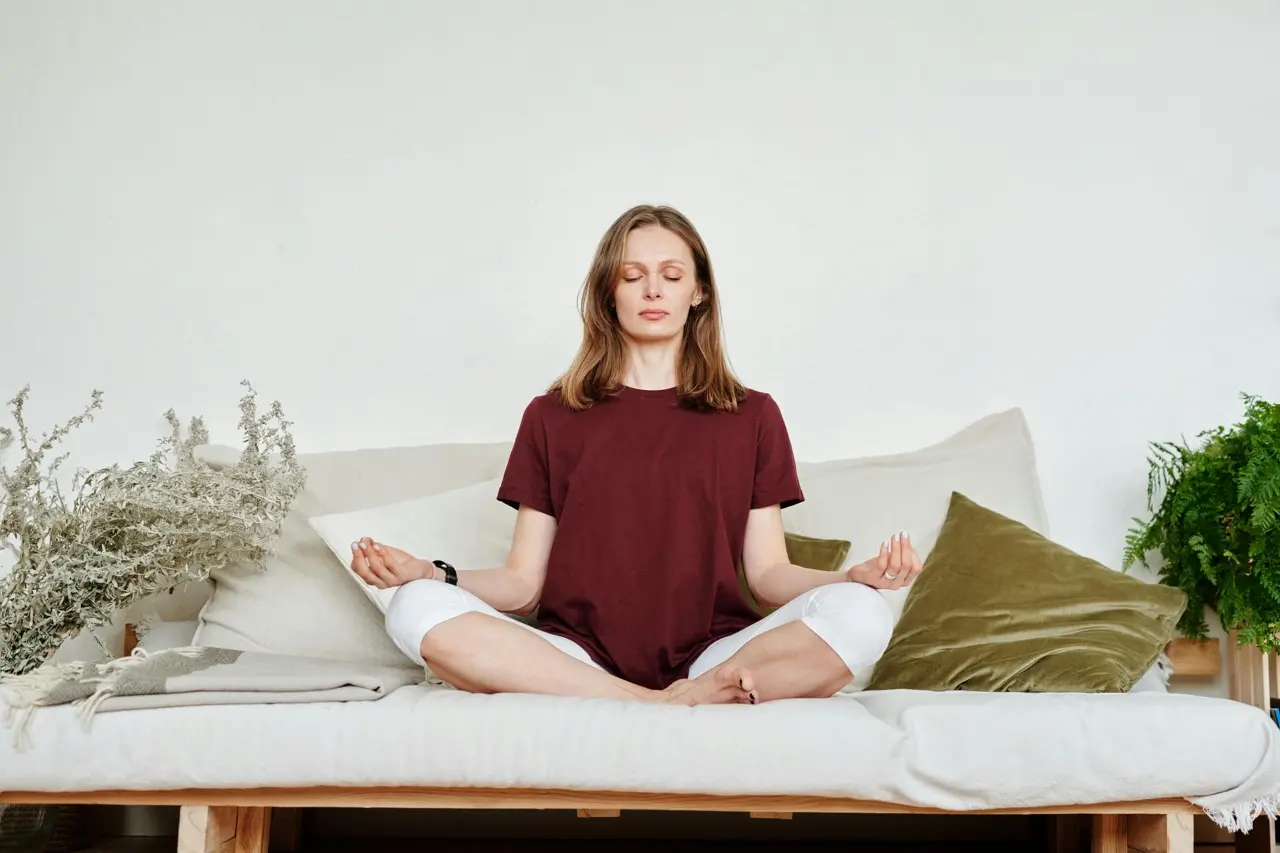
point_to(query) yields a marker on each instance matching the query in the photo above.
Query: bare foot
(724, 685)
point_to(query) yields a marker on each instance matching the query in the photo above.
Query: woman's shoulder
(548, 405)
(758, 403)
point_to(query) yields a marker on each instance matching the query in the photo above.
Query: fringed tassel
(89, 705)
(1240, 817)
(29, 691)
(109, 677)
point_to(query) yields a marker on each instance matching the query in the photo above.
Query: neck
(651, 365)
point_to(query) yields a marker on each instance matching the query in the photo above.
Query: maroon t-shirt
(651, 501)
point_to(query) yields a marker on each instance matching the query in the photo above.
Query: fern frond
(1215, 520)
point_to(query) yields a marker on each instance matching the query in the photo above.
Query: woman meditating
(641, 481)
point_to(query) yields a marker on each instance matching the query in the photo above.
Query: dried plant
(127, 533)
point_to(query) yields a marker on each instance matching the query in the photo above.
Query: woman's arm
(513, 587)
(771, 577)
(774, 581)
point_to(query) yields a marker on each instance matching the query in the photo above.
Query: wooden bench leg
(223, 829)
(1161, 833)
(1110, 834)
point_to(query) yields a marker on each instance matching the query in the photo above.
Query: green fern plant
(1215, 521)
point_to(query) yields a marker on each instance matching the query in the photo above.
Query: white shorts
(851, 618)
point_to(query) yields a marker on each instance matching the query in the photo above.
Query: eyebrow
(675, 261)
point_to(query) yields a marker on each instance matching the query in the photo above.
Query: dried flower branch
(131, 532)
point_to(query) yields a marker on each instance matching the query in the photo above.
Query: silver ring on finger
(890, 576)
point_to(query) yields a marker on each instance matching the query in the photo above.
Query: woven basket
(70, 830)
(26, 829)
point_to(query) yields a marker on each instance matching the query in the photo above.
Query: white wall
(381, 214)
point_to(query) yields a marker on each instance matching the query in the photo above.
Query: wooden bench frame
(254, 820)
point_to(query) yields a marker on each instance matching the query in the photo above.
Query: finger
(895, 555)
(390, 560)
(376, 564)
(895, 569)
(899, 575)
(360, 565)
(916, 566)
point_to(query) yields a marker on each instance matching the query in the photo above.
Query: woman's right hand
(896, 566)
(384, 566)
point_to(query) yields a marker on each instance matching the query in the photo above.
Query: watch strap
(450, 573)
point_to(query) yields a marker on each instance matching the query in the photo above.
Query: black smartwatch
(450, 573)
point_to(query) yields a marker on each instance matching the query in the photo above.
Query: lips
(653, 315)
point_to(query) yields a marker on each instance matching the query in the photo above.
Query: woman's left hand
(896, 566)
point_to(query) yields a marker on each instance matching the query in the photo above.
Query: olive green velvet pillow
(826, 555)
(999, 607)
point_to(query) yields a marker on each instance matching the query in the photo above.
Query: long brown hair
(704, 379)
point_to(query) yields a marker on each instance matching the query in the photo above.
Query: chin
(652, 332)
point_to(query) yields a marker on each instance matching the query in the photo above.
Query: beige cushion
(469, 527)
(304, 603)
(868, 499)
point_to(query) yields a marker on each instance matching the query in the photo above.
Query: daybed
(1142, 762)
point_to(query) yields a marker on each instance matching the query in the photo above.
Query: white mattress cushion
(304, 604)
(468, 527)
(956, 751)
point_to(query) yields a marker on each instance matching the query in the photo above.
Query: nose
(653, 289)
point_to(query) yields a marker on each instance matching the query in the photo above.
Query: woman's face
(657, 285)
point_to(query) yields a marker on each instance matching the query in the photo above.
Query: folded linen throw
(192, 675)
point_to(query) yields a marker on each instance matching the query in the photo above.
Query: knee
(862, 613)
(415, 609)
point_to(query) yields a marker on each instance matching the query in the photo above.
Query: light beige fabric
(469, 527)
(190, 675)
(304, 604)
(865, 500)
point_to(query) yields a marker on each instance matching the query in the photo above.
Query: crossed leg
(809, 647)
(475, 648)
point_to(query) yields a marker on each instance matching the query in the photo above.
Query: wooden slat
(1163, 833)
(1195, 658)
(771, 815)
(1248, 674)
(599, 812)
(1110, 833)
(253, 825)
(206, 829)
(515, 798)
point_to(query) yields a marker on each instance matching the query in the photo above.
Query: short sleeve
(776, 479)
(527, 479)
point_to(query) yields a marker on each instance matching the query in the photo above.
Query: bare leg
(787, 662)
(482, 654)
(808, 648)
